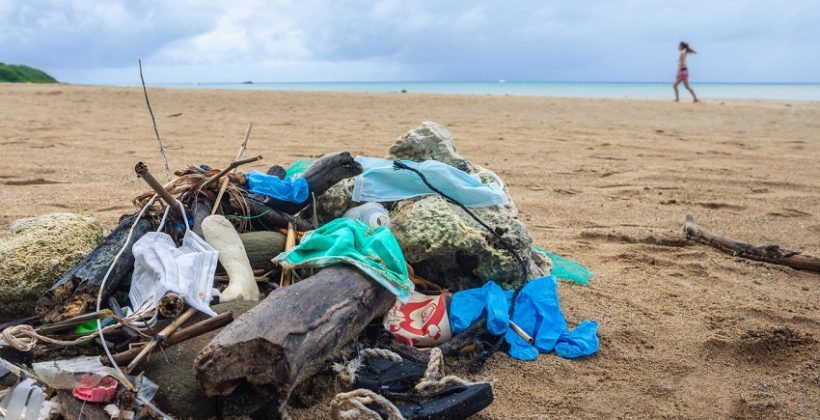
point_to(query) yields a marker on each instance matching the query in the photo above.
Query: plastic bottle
(371, 214)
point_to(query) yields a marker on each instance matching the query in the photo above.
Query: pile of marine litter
(344, 281)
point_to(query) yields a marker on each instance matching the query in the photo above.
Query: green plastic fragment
(566, 269)
(298, 167)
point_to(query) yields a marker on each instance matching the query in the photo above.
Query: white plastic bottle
(371, 214)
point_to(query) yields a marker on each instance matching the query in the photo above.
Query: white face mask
(160, 267)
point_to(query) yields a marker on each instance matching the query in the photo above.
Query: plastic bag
(293, 190)
(67, 374)
(24, 401)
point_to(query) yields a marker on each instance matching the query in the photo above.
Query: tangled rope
(347, 372)
(24, 337)
(353, 405)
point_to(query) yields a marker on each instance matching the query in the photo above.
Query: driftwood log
(290, 335)
(266, 217)
(76, 291)
(200, 209)
(320, 176)
(766, 253)
(261, 247)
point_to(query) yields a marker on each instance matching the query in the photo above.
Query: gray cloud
(411, 40)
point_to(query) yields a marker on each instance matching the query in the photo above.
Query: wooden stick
(239, 154)
(73, 322)
(171, 305)
(154, 121)
(160, 337)
(290, 242)
(521, 333)
(230, 167)
(142, 171)
(177, 337)
(767, 253)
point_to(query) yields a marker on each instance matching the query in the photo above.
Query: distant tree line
(23, 74)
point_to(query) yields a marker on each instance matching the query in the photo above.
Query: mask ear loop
(164, 218)
(184, 216)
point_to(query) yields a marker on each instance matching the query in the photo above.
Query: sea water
(624, 90)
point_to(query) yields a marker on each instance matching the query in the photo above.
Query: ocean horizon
(613, 90)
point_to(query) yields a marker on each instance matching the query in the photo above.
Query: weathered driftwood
(205, 326)
(77, 290)
(320, 176)
(142, 171)
(291, 334)
(200, 209)
(171, 305)
(766, 253)
(168, 330)
(233, 165)
(261, 247)
(269, 218)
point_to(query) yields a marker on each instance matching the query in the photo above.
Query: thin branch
(244, 145)
(142, 171)
(224, 186)
(767, 253)
(230, 167)
(154, 121)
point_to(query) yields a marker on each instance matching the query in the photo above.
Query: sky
(182, 41)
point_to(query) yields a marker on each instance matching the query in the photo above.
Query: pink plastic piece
(102, 392)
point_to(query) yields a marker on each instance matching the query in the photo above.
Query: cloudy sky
(90, 41)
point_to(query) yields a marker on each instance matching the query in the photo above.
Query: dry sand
(686, 331)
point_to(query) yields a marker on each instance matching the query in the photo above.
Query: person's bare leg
(686, 85)
(675, 86)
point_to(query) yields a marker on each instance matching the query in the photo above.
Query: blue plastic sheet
(537, 312)
(380, 182)
(294, 190)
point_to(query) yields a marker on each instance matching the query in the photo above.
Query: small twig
(142, 171)
(154, 121)
(181, 335)
(230, 167)
(224, 186)
(160, 337)
(290, 241)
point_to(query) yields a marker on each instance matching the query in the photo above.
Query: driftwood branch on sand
(290, 335)
(76, 291)
(767, 253)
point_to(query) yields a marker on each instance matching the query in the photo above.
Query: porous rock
(442, 241)
(430, 141)
(445, 245)
(333, 203)
(37, 253)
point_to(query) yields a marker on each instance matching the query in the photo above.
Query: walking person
(683, 71)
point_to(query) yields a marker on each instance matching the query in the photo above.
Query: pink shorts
(683, 75)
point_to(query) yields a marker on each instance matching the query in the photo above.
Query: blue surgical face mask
(380, 182)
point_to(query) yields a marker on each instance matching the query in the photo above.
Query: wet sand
(686, 331)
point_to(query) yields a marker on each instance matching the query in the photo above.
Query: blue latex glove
(469, 306)
(537, 312)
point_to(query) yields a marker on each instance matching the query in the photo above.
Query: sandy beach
(686, 331)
